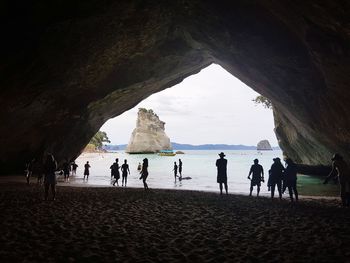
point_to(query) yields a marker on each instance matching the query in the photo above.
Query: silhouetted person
(275, 177)
(144, 173)
(39, 169)
(221, 165)
(86, 170)
(175, 170)
(125, 171)
(139, 167)
(66, 169)
(180, 169)
(50, 167)
(290, 179)
(74, 168)
(29, 170)
(341, 168)
(115, 171)
(258, 176)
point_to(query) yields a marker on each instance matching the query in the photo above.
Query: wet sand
(131, 225)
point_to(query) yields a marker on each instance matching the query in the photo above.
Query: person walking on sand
(175, 170)
(341, 168)
(66, 169)
(86, 170)
(125, 171)
(50, 167)
(144, 173)
(221, 165)
(275, 177)
(29, 170)
(257, 172)
(180, 169)
(115, 171)
(290, 179)
(39, 170)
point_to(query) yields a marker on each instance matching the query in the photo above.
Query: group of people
(280, 176)
(47, 169)
(285, 177)
(115, 172)
(176, 168)
(68, 168)
(126, 170)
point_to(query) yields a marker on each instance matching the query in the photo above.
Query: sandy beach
(131, 225)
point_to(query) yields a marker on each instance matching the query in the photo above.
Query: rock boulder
(149, 135)
(264, 145)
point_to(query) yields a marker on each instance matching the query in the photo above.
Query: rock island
(149, 135)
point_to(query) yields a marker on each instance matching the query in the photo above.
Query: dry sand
(131, 225)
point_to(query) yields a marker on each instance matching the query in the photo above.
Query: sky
(211, 107)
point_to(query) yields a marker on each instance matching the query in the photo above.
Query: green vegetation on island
(96, 142)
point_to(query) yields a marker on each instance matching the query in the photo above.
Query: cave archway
(211, 107)
(67, 68)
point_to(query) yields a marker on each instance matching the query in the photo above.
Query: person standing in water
(221, 165)
(290, 179)
(139, 167)
(180, 169)
(175, 170)
(74, 168)
(125, 171)
(115, 171)
(258, 176)
(50, 168)
(275, 177)
(341, 168)
(86, 170)
(144, 173)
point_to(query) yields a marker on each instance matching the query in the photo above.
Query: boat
(166, 153)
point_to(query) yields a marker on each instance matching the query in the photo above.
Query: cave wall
(68, 67)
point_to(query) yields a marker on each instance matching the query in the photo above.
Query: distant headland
(179, 146)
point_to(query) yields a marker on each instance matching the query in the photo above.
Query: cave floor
(131, 225)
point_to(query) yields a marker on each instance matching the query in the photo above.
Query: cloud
(210, 107)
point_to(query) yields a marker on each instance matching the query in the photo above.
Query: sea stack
(264, 145)
(149, 135)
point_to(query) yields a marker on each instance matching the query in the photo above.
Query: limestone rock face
(264, 145)
(66, 68)
(149, 135)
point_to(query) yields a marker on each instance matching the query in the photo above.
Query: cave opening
(210, 107)
(211, 110)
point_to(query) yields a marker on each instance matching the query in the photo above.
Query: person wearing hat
(275, 177)
(340, 168)
(258, 175)
(290, 179)
(221, 165)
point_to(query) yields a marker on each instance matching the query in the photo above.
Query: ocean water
(199, 165)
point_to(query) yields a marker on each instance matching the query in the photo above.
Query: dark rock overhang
(67, 67)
